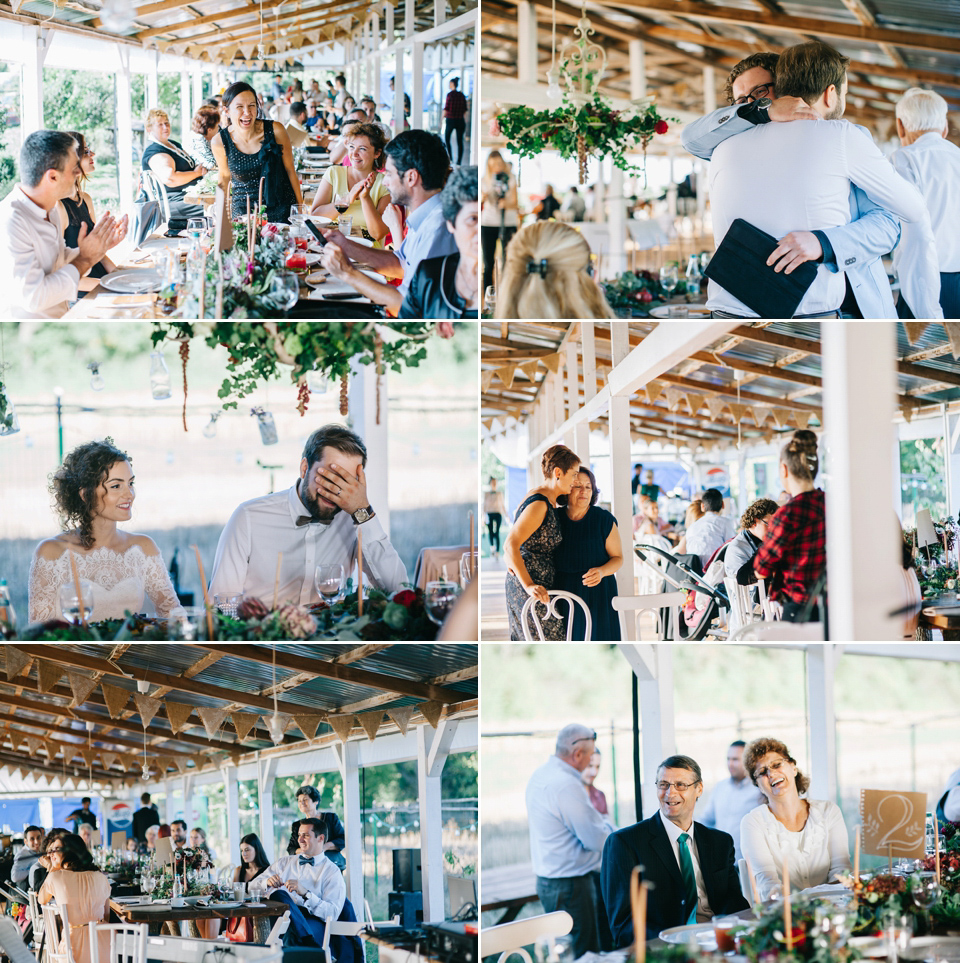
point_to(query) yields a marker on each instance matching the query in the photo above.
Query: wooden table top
(132, 913)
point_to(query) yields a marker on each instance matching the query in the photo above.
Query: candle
(638, 904)
(206, 597)
(936, 846)
(787, 912)
(203, 283)
(359, 570)
(856, 860)
(753, 884)
(260, 198)
(276, 580)
(76, 584)
(470, 556)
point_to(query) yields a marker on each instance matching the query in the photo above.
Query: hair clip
(533, 267)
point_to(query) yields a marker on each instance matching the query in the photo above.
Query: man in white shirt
(789, 178)
(932, 164)
(310, 885)
(733, 798)
(39, 274)
(567, 835)
(315, 522)
(711, 530)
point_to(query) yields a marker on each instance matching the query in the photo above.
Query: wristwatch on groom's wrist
(363, 514)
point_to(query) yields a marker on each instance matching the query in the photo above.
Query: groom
(315, 522)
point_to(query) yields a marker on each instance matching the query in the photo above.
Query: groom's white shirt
(261, 528)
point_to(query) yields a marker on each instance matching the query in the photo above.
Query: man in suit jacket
(693, 879)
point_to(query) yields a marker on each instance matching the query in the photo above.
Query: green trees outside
(922, 478)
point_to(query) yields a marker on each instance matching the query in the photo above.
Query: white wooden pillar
(475, 104)
(709, 90)
(125, 176)
(388, 28)
(621, 496)
(348, 758)
(859, 392)
(231, 794)
(527, 54)
(439, 12)
(416, 82)
(153, 80)
(821, 721)
(433, 746)
(267, 777)
(616, 261)
(572, 382)
(36, 44)
(398, 82)
(185, 113)
(375, 54)
(638, 70)
(653, 667)
(197, 87)
(363, 420)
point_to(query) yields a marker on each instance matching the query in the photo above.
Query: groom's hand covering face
(336, 482)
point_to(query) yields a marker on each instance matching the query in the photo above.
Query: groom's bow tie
(306, 860)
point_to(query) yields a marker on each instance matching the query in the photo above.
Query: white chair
(275, 936)
(779, 632)
(36, 917)
(745, 880)
(56, 924)
(334, 927)
(508, 939)
(557, 595)
(11, 942)
(128, 942)
(155, 191)
(639, 604)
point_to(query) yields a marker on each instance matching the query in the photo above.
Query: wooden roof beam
(271, 28)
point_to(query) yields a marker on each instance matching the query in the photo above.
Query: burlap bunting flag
(431, 711)
(16, 661)
(695, 403)
(115, 697)
(715, 405)
(401, 715)
(42, 775)
(486, 378)
(953, 336)
(243, 722)
(738, 411)
(552, 361)
(781, 416)
(505, 373)
(81, 686)
(48, 675)
(147, 707)
(371, 723)
(108, 759)
(341, 725)
(177, 715)
(33, 744)
(673, 396)
(212, 719)
(24, 772)
(17, 738)
(89, 756)
(529, 368)
(199, 760)
(308, 724)
(52, 749)
(182, 761)
(653, 392)
(915, 330)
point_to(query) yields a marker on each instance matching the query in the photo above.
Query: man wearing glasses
(690, 866)
(567, 835)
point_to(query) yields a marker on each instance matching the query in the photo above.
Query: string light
(96, 379)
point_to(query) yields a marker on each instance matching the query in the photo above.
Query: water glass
(329, 580)
(346, 225)
(76, 608)
(439, 598)
(196, 226)
(554, 949)
(189, 627)
(228, 604)
(240, 892)
(489, 300)
(285, 289)
(669, 278)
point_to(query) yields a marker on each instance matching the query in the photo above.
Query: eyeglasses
(773, 767)
(679, 786)
(49, 852)
(761, 90)
(592, 738)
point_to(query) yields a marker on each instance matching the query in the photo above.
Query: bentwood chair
(127, 941)
(509, 939)
(556, 596)
(56, 924)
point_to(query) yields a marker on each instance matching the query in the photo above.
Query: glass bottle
(694, 275)
(159, 376)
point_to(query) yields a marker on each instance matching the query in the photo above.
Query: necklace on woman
(468, 291)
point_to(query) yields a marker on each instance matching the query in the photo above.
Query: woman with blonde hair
(546, 276)
(172, 166)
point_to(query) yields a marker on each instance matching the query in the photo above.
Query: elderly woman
(588, 557)
(204, 127)
(173, 167)
(447, 287)
(808, 833)
(532, 543)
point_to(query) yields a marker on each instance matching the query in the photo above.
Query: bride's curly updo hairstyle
(77, 481)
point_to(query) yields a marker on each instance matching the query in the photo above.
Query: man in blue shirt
(416, 169)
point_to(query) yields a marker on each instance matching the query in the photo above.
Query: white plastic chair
(128, 942)
(36, 917)
(334, 927)
(528, 609)
(56, 924)
(275, 936)
(155, 191)
(639, 604)
(508, 939)
(745, 880)
(779, 632)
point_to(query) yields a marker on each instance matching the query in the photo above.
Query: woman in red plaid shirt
(794, 553)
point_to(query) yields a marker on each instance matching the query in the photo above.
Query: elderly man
(733, 798)
(691, 867)
(932, 164)
(567, 835)
(794, 182)
(39, 274)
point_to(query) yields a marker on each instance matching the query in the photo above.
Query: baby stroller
(681, 572)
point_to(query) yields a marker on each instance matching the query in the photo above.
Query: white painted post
(268, 776)
(197, 86)
(153, 79)
(621, 496)
(475, 105)
(432, 750)
(822, 722)
(709, 90)
(398, 118)
(439, 12)
(231, 792)
(638, 70)
(375, 51)
(416, 82)
(653, 667)
(36, 44)
(363, 420)
(572, 379)
(185, 114)
(616, 260)
(409, 24)
(859, 393)
(348, 757)
(557, 414)
(125, 176)
(388, 24)
(527, 54)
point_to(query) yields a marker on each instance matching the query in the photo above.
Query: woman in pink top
(597, 798)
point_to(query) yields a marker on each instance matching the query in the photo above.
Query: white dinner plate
(132, 281)
(931, 948)
(232, 904)
(359, 239)
(693, 311)
(702, 933)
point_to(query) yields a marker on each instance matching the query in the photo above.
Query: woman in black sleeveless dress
(246, 149)
(589, 555)
(533, 540)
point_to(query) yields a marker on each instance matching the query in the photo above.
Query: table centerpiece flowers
(947, 908)
(819, 933)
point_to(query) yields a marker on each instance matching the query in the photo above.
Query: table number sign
(118, 840)
(893, 822)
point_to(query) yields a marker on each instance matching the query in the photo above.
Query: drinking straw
(936, 846)
(856, 860)
(203, 585)
(638, 903)
(76, 582)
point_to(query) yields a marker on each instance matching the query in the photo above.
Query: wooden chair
(508, 939)
(556, 596)
(128, 942)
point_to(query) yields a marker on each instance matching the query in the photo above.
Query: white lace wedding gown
(119, 583)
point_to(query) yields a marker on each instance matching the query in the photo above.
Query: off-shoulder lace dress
(120, 581)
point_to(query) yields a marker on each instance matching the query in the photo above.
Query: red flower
(445, 329)
(646, 296)
(405, 597)
(661, 127)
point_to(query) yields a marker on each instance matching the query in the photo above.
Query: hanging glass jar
(159, 376)
(9, 422)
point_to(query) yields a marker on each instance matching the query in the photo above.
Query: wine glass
(148, 883)
(285, 289)
(669, 278)
(225, 886)
(554, 949)
(341, 202)
(76, 609)
(468, 570)
(925, 891)
(489, 300)
(439, 598)
(329, 581)
(196, 226)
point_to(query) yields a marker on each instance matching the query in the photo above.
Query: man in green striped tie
(690, 865)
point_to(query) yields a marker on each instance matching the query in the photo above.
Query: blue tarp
(63, 807)
(18, 813)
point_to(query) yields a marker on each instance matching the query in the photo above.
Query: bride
(93, 491)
